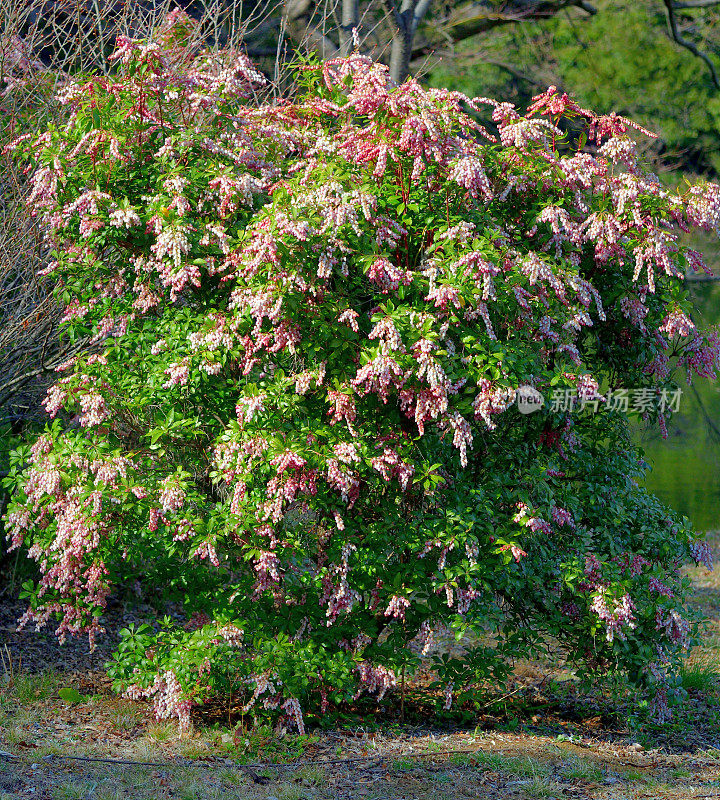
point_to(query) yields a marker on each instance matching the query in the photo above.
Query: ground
(541, 738)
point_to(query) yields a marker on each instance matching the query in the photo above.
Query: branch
(688, 45)
(477, 17)
(45, 368)
(394, 13)
(696, 4)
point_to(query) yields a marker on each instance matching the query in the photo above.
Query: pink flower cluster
(616, 614)
(674, 626)
(169, 700)
(677, 324)
(375, 679)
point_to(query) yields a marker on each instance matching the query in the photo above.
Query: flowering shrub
(310, 320)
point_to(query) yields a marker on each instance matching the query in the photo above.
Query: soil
(543, 738)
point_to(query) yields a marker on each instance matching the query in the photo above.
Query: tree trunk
(350, 20)
(407, 21)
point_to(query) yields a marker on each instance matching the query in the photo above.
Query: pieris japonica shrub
(310, 319)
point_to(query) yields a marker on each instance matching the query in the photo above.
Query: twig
(500, 699)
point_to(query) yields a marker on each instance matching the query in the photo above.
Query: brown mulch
(32, 651)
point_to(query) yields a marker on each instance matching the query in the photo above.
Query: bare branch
(686, 43)
(41, 43)
(696, 4)
(470, 19)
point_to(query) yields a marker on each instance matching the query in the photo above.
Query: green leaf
(70, 695)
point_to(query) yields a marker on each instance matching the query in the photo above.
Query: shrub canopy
(310, 318)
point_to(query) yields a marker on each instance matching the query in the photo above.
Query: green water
(685, 470)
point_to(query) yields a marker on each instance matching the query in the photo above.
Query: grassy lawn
(547, 740)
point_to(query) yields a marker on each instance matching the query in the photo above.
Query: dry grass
(554, 743)
(405, 764)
